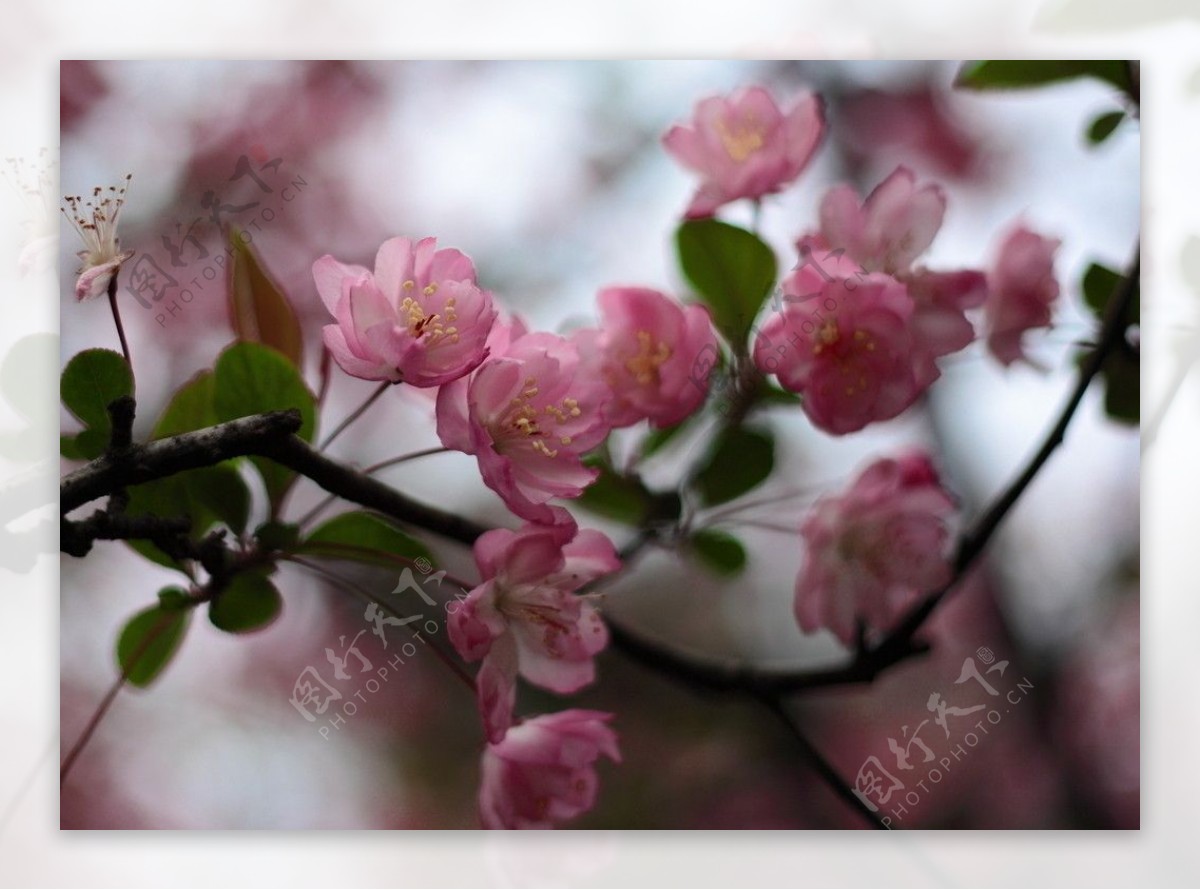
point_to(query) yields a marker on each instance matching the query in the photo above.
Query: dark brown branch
(166, 457)
(262, 435)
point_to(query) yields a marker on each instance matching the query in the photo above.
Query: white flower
(96, 222)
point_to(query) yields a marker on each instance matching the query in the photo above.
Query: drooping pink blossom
(644, 350)
(887, 233)
(528, 415)
(871, 551)
(844, 342)
(543, 772)
(419, 318)
(95, 219)
(1023, 290)
(524, 617)
(744, 146)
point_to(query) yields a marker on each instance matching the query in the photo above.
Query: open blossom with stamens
(524, 617)
(644, 349)
(744, 146)
(844, 343)
(419, 318)
(1023, 292)
(874, 549)
(543, 772)
(96, 219)
(887, 233)
(528, 415)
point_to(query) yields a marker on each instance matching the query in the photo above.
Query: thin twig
(323, 505)
(116, 314)
(333, 578)
(357, 413)
(111, 696)
(819, 764)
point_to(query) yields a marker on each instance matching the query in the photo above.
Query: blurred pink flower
(96, 221)
(1098, 712)
(890, 229)
(874, 549)
(744, 146)
(644, 349)
(844, 342)
(524, 618)
(1023, 290)
(543, 772)
(888, 232)
(528, 414)
(921, 124)
(419, 319)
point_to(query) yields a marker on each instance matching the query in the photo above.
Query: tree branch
(268, 435)
(899, 645)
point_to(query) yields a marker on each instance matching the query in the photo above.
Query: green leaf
(721, 552)
(363, 537)
(657, 439)
(731, 268)
(173, 598)
(769, 394)
(90, 382)
(190, 409)
(208, 495)
(259, 310)
(69, 447)
(275, 535)
(250, 378)
(222, 492)
(151, 638)
(1009, 74)
(617, 497)
(1099, 285)
(740, 460)
(1104, 126)
(249, 603)
(1122, 387)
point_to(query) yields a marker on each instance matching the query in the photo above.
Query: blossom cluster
(863, 327)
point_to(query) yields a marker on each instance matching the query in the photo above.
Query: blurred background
(550, 176)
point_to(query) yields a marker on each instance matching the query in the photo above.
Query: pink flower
(875, 549)
(644, 351)
(890, 229)
(844, 342)
(543, 772)
(528, 414)
(524, 617)
(887, 233)
(419, 319)
(940, 326)
(744, 146)
(96, 222)
(1023, 292)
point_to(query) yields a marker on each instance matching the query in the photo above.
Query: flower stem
(116, 313)
(358, 412)
(374, 468)
(337, 580)
(111, 696)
